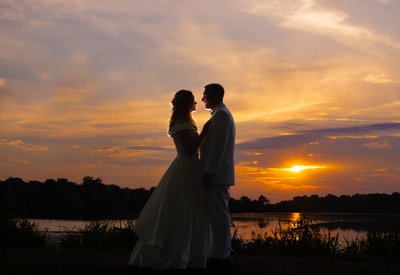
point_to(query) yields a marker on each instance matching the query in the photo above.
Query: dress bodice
(184, 143)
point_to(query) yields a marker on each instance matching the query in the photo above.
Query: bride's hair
(181, 104)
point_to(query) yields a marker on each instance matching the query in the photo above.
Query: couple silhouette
(186, 221)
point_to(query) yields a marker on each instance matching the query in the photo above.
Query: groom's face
(206, 102)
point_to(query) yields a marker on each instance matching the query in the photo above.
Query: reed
(100, 235)
(19, 233)
(299, 237)
(375, 243)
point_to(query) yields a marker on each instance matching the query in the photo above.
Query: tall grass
(301, 236)
(375, 243)
(102, 236)
(19, 233)
(304, 237)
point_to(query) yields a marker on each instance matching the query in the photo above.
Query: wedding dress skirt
(173, 227)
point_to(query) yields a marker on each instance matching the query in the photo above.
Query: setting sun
(299, 168)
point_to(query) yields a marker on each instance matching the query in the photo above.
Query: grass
(304, 237)
(100, 235)
(20, 233)
(375, 243)
(297, 238)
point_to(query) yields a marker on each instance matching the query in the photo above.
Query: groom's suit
(217, 156)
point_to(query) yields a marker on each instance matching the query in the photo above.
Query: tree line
(92, 199)
(61, 198)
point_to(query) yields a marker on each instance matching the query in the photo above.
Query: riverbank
(52, 261)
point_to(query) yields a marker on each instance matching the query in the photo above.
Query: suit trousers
(218, 211)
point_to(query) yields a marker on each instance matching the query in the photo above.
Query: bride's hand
(205, 129)
(206, 125)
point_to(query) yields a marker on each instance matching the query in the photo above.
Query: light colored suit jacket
(218, 148)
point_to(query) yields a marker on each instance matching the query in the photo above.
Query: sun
(300, 168)
(297, 168)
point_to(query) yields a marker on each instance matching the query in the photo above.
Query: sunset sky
(314, 87)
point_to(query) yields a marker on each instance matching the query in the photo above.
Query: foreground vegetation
(19, 233)
(101, 236)
(304, 237)
(301, 237)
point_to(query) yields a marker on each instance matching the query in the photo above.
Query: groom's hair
(215, 92)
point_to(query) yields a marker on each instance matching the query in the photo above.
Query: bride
(173, 227)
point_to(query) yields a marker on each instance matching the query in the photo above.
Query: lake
(348, 226)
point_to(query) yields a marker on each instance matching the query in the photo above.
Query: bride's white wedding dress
(173, 227)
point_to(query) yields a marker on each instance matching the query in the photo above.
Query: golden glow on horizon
(276, 179)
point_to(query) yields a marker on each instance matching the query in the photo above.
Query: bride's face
(193, 107)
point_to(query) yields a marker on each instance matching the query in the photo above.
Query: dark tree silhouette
(92, 199)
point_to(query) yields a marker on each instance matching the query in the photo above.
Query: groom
(217, 156)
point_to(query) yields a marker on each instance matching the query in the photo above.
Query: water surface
(348, 226)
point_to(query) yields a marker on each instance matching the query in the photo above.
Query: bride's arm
(203, 133)
(189, 140)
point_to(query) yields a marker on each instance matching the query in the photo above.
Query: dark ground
(50, 261)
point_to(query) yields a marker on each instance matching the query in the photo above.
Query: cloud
(147, 148)
(310, 16)
(16, 161)
(369, 128)
(311, 19)
(378, 78)
(385, 1)
(378, 145)
(19, 144)
(134, 155)
(353, 137)
(52, 118)
(286, 141)
(140, 162)
(311, 137)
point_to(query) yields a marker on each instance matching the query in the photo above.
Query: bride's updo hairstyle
(181, 108)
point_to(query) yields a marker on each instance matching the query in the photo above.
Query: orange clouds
(19, 144)
(85, 89)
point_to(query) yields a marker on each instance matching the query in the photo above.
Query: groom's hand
(205, 129)
(206, 125)
(207, 179)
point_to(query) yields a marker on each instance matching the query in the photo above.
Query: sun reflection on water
(294, 217)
